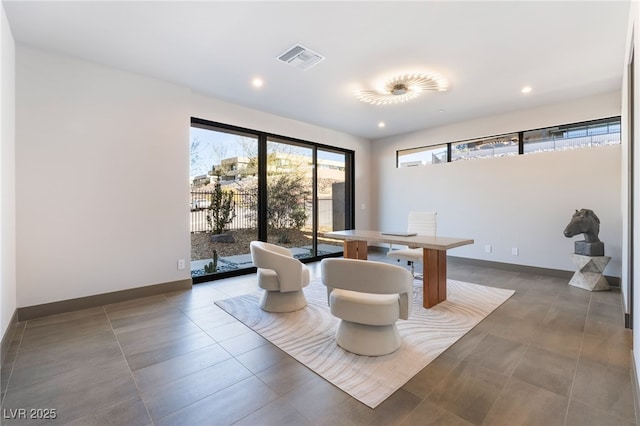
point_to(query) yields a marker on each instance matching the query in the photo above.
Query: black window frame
(587, 125)
(262, 138)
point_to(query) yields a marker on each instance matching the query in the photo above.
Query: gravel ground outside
(202, 247)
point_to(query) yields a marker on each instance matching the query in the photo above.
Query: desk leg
(434, 278)
(355, 249)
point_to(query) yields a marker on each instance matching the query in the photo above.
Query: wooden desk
(434, 278)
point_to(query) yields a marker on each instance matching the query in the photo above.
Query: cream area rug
(308, 335)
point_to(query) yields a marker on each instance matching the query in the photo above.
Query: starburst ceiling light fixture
(402, 88)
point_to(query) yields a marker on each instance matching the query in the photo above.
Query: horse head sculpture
(585, 222)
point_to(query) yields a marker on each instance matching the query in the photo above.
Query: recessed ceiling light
(526, 89)
(257, 82)
(381, 124)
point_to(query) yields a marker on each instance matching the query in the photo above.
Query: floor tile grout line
(191, 351)
(13, 364)
(524, 352)
(279, 396)
(582, 347)
(575, 370)
(236, 359)
(423, 400)
(124, 357)
(204, 397)
(210, 336)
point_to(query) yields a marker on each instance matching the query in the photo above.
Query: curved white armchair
(369, 297)
(422, 223)
(281, 276)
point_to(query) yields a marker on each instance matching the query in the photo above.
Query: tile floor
(551, 355)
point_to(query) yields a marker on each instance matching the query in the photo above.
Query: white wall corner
(7, 175)
(110, 163)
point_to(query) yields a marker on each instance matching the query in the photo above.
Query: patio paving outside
(241, 261)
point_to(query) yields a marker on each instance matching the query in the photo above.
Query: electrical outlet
(514, 251)
(181, 264)
(487, 248)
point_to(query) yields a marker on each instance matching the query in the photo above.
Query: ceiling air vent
(300, 57)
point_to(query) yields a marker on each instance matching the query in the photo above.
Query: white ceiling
(487, 50)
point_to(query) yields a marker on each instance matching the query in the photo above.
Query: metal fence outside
(245, 207)
(246, 211)
(571, 143)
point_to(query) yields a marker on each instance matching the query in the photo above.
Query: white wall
(102, 161)
(7, 175)
(633, 39)
(625, 163)
(102, 175)
(522, 201)
(208, 108)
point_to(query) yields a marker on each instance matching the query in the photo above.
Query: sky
(209, 147)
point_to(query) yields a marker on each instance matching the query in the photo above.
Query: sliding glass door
(332, 198)
(248, 185)
(289, 196)
(224, 195)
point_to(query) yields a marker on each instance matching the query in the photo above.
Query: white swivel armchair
(369, 297)
(281, 276)
(422, 223)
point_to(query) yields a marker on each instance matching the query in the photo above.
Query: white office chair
(369, 297)
(422, 223)
(281, 276)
